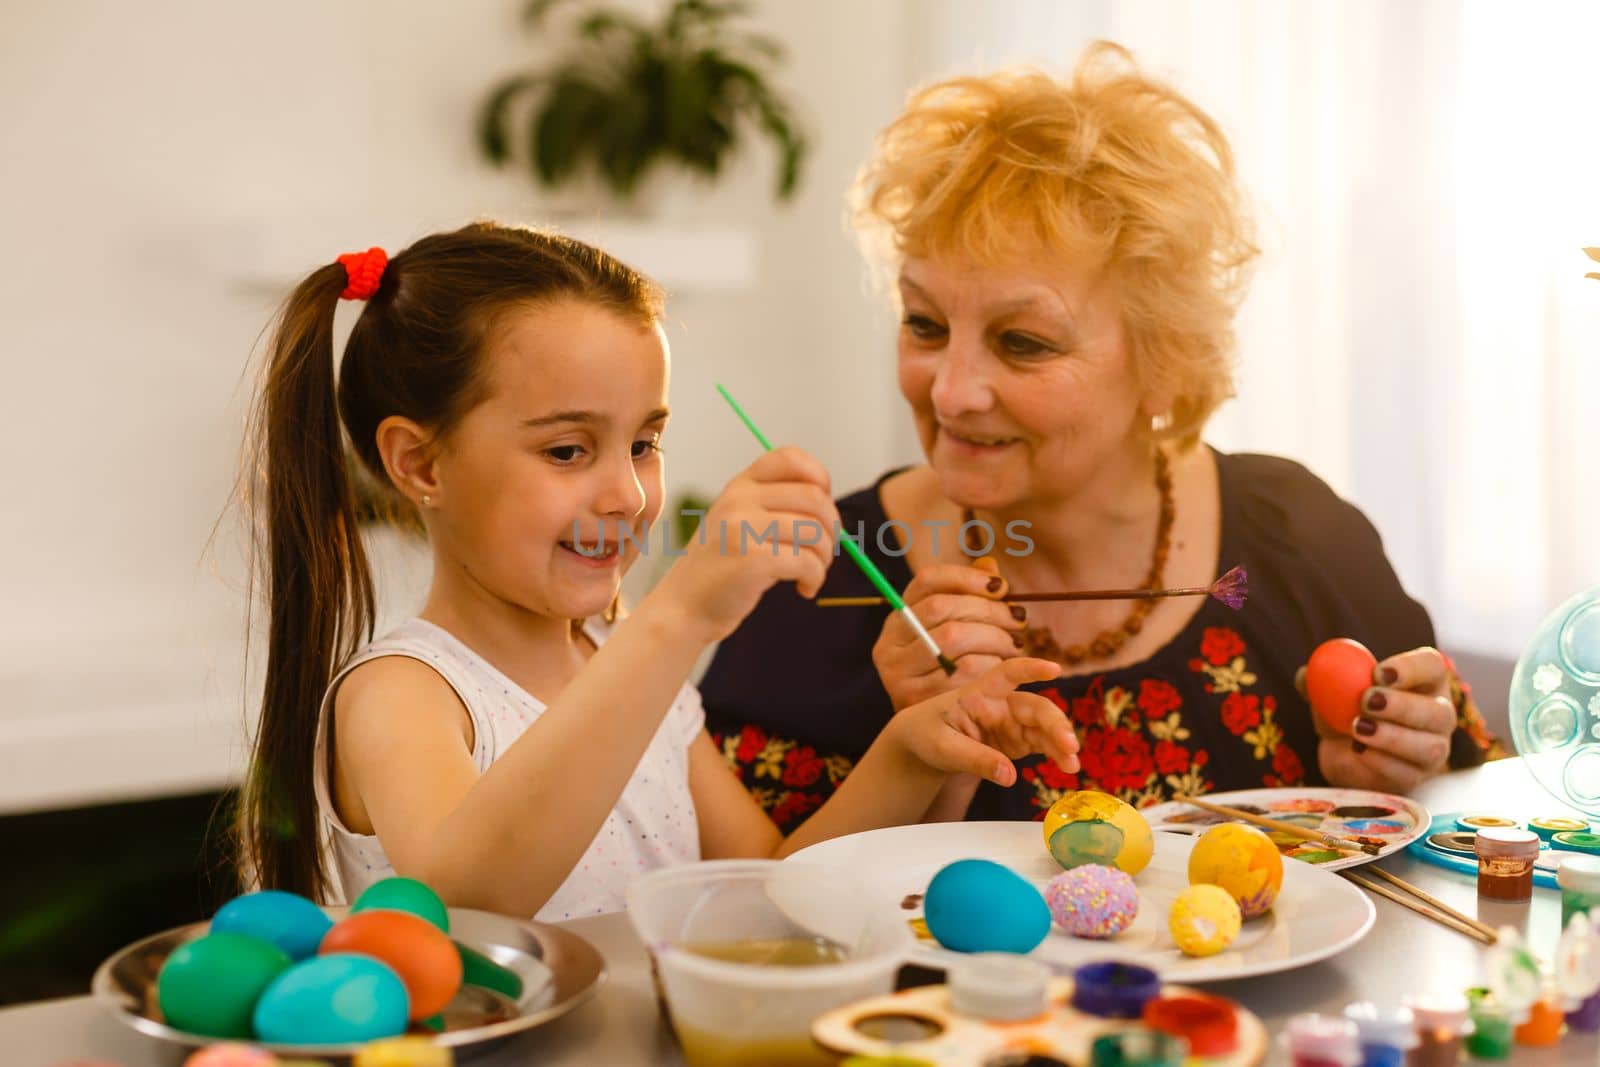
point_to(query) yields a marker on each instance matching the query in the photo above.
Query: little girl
(514, 746)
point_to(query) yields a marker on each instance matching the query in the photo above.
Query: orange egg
(1338, 672)
(420, 953)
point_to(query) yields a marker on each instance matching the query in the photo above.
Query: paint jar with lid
(1505, 862)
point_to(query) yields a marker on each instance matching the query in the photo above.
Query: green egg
(479, 970)
(210, 985)
(404, 894)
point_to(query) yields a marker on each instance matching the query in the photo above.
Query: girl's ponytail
(309, 558)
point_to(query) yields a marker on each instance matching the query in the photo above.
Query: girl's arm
(506, 840)
(977, 729)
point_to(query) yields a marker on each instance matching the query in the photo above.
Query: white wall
(165, 166)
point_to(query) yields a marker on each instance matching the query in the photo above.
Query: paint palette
(1388, 821)
(1448, 842)
(920, 1026)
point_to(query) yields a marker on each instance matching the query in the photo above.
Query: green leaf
(493, 137)
(534, 11)
(561, 127)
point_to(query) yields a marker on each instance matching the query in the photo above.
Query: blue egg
(287, 920)
(333, 1000)
(979, 906)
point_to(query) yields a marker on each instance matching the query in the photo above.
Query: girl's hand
(773, 522)
(1403, 735)
(961, 608)
(982, 726)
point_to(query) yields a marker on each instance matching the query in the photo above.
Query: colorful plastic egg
(404, 894)
(1093, 901)
(425, 959)
(333, 1000)
(1087, 826)
(232, 1054)
(287, 920)
(1337, 673)
(980, 906)
(210, 985)
(1243, 861)
(1204, 920)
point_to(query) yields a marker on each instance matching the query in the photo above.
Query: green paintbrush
(874, 575)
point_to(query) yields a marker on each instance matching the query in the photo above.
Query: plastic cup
(733, 1014)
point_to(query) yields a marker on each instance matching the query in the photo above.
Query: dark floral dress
(792, 698)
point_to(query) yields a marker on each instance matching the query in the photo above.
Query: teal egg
(210, 985)
(287, 920)
(980, 906)
(333, 1000)
(404, 894)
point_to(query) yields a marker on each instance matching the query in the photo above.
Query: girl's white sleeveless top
(652, 825)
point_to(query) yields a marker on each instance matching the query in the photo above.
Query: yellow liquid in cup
(704, 1049)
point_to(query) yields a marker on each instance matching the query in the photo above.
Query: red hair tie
(364, 270)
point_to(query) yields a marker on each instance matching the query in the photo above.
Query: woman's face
(1019, 378)
(549, 484)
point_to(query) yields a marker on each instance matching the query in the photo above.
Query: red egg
(1338, 672)
(420, 953)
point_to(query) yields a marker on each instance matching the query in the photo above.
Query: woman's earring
(427, 501)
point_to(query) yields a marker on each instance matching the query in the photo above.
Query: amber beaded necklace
(1038, 641)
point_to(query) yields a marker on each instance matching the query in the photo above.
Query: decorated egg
(1243, 861)
(210, 985)
(404, 1052)
(1337, 673)
(287, 920)
(1093, 901)
(1204, 920)
(333, 1000)
(425, 959)
(980, 906)
(404, 894)
(231, 1054)
(1092, 827)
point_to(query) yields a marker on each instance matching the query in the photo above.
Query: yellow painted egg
(1243, 861)
(1091, 827)
(1204, 920)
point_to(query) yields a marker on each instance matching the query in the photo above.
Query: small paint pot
(1114, 990)
(1475, 822)
(1440, 1022)
(1556, 824)
(1138, 1048)
(1322, 1041)
(1386, 1034)
(1210, 1024)
(1579, 880)
(1505, 862)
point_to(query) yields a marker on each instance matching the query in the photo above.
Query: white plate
(1412, 818)
(1317, 914)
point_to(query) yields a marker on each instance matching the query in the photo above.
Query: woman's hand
(962, 610)
(773, 522)
(980, 727)
(1403, 735)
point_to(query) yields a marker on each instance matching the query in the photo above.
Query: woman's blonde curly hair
(1112, 165)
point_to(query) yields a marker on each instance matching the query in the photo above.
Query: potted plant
(627, 95)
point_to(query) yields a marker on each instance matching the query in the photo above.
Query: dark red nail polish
(995, 584)
(1388, 675)
(1019, 612)
(1366, 727)
(1377, 702)
(1357, 747)
(1016, 639)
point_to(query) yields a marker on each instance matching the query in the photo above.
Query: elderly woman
(1069, 258)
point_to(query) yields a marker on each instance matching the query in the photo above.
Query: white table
(620, 1026)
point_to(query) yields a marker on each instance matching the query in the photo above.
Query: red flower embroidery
(1050, 773)
(1171, 758)
(1240, 712)
(793, 807)
(1286, 761)
(1220, 645)
(752, 739)
(801, 766)
(1117, 759)
(1090, 709)
(1053, 695)
(1157, 698)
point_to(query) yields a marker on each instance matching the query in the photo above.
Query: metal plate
(558, 969)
